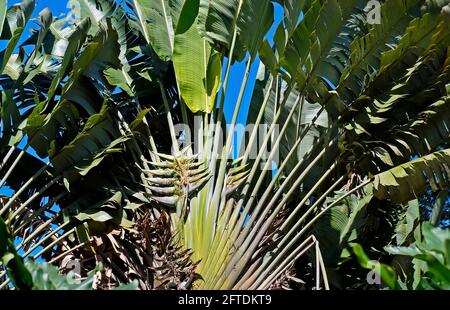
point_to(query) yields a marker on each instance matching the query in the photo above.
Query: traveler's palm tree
(361, 110)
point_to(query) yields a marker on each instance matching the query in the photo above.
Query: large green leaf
(120, 78)
(98, 138)
(3, 9)
(412, 45)
(417, 34)
(17, 17)
(76, 40)
(221, 21)
(292, 10)
(95, 10)
(202, 15)
(101, 53)
(341, 225)
(405, 182)
(334, 63)
(197, 68)
(255, 20)
(155, 21)
(54, 41)
(366, 51)
(305, 55)
(10, 114)
(410, 112)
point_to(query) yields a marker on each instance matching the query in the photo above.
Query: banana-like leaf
(101, 53)
(197, 68)
(155, 22)
(55, 40)
(17, 17)
(305, 55)
(10, 114)
(46, 19)
(254, 22)
(3, 10)
(417, 34)
(403, 119)
(107, 210)
(292, 10)
(335, 62)
(222, 25)
(42, 129)
(202, 15)
(95, 10)
(411, 46)
(221, 20)
(248, 21)
(366, 51)
(97, 138)
(76, 40)
(405, 182)
(341, 225)
(120, 78)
